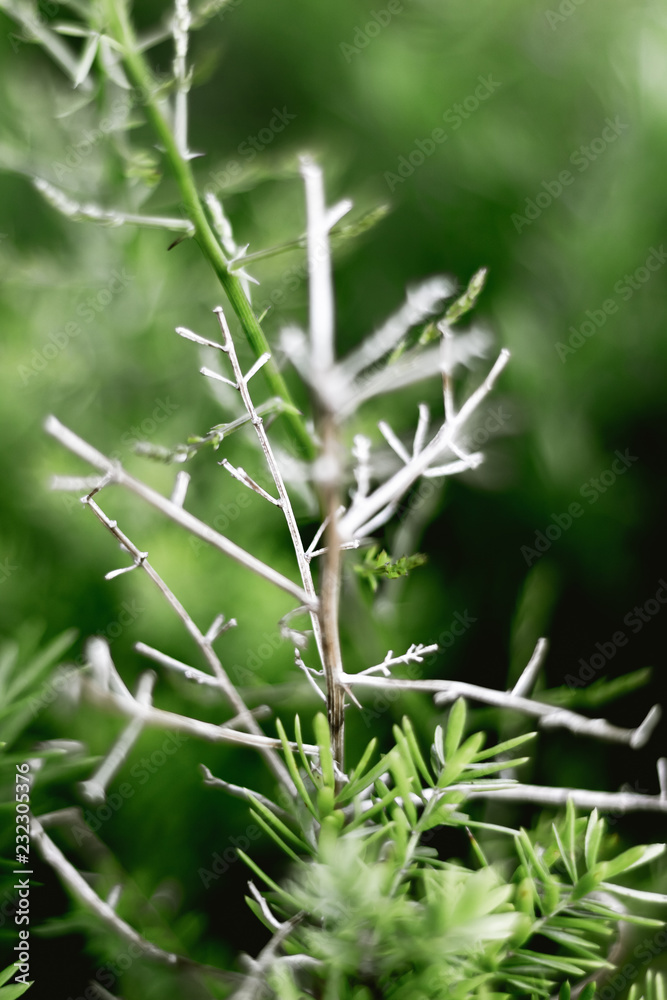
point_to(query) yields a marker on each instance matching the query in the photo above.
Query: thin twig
(415, 654)
(190, 673)
(180, 489)
(514, 791)
(662, 777)
(35, 25)
(255, 983)
(361, 450)
(416, 366)
(310, 675)
(181, 27)
(103, 669)
(241, 721)
(243, 477)
(330, 596)
(247, 794)
(320, 531)
(394, 442)
(69, 815)
(421, 302)
(107, 216)
(367, 529)
(198, 528)
(284, 501)
(581, 797)
(184, 723)
(471, 461)
(220, 679)
(357, 543)
(321, 307)
(218, 626)
(447, 380)
(95, 788)
(83, 892)
(422, 429)
(391, 490)
(549, 716)
(104, 912)
(526, 681)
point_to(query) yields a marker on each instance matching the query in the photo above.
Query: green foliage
(217, 434)
(378, 564)
(26, 679)
(373, 911)
(12, 991)
(28, 683)
(462, 305)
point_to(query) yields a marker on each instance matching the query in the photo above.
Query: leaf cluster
(374, 911)
(377, 564)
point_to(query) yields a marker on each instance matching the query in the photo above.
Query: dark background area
(583, 92)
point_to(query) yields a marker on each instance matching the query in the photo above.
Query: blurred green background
(526, 137)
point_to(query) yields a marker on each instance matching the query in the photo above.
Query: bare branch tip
(644, 731)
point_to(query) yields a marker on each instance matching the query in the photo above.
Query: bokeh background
(526, 137)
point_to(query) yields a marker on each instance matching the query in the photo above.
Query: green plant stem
(142, 78)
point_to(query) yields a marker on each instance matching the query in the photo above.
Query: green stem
(204, 235)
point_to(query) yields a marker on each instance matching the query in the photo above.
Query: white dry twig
(80, 889)
(310, 674)
(415, 654)
(94, 790)
(415, 366)
(421, 302)
(254, 984)
(422, 429)
(220, 678)
(283, 501)
(83, 892)
(242, 476)
(190, 673)
(184, 723)
(550, 716)
(319, 270)
(526, 681)
(392, 489)
(218, 626)
(198, 528)
(103, 669)
(361, 451)
(180, 489)
(181, 27)
(310, 551)
(662, 777)
(111, 217)
(243, 793)
(581, 797)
